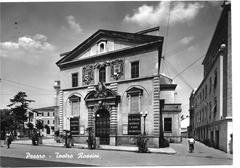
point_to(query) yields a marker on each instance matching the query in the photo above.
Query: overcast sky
(34, 34)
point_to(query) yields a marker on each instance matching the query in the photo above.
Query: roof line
(101, 31)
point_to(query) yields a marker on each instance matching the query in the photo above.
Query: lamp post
(144, 121)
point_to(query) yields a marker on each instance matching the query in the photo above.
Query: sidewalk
(52, 143)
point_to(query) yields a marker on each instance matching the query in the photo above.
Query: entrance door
(102, 126)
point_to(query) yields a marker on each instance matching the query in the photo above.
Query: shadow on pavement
(19, 162)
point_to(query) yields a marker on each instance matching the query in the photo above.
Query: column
(90, 117)
(96, 76)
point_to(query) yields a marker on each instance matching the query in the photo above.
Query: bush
(163, 143)
(142, 143)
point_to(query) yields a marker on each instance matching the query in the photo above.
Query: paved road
(20, 162)
(203, 155)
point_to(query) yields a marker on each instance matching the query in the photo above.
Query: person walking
(8, 139)
(191, 143)
(3, 134)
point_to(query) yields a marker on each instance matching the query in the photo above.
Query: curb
(113, 148)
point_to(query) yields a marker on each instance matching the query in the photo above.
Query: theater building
(110, 82)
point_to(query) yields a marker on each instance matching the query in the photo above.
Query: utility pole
(161, 102)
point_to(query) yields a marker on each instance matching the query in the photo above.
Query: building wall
(205, 122)
(45, 118)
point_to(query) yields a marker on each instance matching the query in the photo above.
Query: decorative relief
(87, 74)
(101, 65)
(100, 90)
(117, 69)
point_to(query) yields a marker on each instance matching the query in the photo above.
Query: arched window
(102, 47)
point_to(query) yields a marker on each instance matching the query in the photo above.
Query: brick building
(110, 83)
(211, 103)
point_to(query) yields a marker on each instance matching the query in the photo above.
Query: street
(28, 155)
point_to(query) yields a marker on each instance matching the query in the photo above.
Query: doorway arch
(102, 126)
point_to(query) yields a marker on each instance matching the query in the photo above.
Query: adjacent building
(47, 116)
(110, 82)
(211, 103)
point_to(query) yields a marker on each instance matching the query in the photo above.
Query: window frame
(165, 124)
(75, 79)
(135, 71)
(102, 74)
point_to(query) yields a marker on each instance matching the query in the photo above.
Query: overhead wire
(168, 21)
(30, 90)
(188, 67)
(180, 76)
(26, 85)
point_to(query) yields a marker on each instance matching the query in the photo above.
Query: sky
(33, 35)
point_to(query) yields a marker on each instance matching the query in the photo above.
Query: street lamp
(144, 120)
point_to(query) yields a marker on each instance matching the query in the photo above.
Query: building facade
(47, 116)
(110, 83)
(211, 104)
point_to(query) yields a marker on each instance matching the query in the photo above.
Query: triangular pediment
(88, 47)
(134, 91)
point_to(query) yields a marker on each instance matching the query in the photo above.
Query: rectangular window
(205, 91)
(102, 74)
(75, 108)
(210, 86)
(215, 79)
(134, 106)
(135, 69)
(168, 124)
(210, 110)
(215, 105)
(75, 80)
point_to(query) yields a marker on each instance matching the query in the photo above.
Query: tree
(39, 124)
(6, 120)
(19, 106)
(30, 125)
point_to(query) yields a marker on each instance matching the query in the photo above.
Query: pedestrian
(8, 139)
(3, 134)
(71, 139)
(191, 142)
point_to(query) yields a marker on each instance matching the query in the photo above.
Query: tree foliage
(30, 125)
(39, 124)
(6, 119)
(19, 106)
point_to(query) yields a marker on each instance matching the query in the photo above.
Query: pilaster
(156, 98)
(60, 111)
